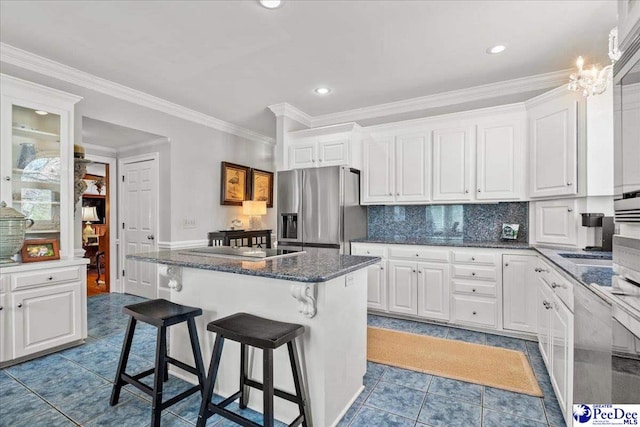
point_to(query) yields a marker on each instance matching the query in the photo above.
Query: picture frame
(510, 231)
(96, 185)
(262, 186)
(34, 250)
(234, 184)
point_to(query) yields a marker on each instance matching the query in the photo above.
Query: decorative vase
(27, 154)
(12, 228)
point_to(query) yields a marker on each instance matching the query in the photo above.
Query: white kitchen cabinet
(553, 144)
(377, 286)
(333, 152)
(325, 146)
(519, 289)
(556, 222)
(628, 22)
(413, 174)
(378, 184)
(452, 163)
(3, 322)
(543, 303)
(46, 317)
(403, 287)
(499, 160)
(303, 155)
(433, 290)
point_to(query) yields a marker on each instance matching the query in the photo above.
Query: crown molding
(152, 143)
(30, 61)
(461, 96)
(99, 148)
(288, 110)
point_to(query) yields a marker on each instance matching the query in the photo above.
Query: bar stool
(161, 314)
(267, 335)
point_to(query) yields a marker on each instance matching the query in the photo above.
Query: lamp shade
(89, 213)
(254, 207)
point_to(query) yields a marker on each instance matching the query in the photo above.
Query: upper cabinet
(628, 22)
(327, 146)
(378, 182)
(553, 144)
(36, 163)
(452, 163)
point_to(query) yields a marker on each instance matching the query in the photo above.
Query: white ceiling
(231, 59)
(105, 134)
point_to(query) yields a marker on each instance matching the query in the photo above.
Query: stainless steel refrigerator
(319, 209)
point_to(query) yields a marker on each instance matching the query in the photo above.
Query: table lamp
(254, 209)
(89, 214)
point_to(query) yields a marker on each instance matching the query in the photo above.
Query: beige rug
(474, 363)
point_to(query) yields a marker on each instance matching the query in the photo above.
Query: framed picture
(96, 185)
(40, 250)
(234, 184)
(510, 231)
(262, 186)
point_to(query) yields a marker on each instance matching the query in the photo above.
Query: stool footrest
(137, 384)
(179, 397)
(143, 374)
(297, 421)
(238, 419)
(228, 400)
(281, 394)
(181, 365)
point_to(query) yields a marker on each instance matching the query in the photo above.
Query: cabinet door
(378, 183)
(433, 291)
(413, 161)
(556, 222)
(302, 155)
(499, 161)
(452, 163)
(3, 327)
(553, 139)
(519, 290)
(544, 305)
(333, 152)
(377, 286)
(562, 354)
(46, 317)
(403, 295)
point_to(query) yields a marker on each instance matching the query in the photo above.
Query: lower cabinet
(403, 287)
(518, 290)
(377, 286)
(3, 326)
(433, 290)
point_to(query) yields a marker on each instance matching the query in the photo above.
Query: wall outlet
(189, 222)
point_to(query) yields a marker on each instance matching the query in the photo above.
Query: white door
(413, 172)
(433, 290)
(499, 161)
(452, 163)
(377, 286)
(403, 293)
(519, 290)
(556, 221)
(553, 136)
(378, 182)
(333, 152)
(302, 155)
(140, 219)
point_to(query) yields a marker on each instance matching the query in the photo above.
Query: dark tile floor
(72, 387)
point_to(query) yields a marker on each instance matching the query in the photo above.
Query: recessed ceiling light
(496, 49)
(271, 4)
(40, 112)
(322, 90)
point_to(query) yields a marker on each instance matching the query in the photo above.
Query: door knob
(569, 210)
(506, 264)
(569, 184)
(479, 190)
(7, 178)
(466, 191)
(151, 237)
(474, 313)
(420, 271)
(20, 305)
(1, 307)
(473, 274)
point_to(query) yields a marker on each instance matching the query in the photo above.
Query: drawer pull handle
(50, 278)
(417, 254)
(368, 252)
(1, 308)
(473, 274)
(390, 194)
(420, 271)
(473, 258)
(555, 285)
(474, 313)
(473, 290)
(506, 264)
(381, 268)
(414, 271)
(546, 304)
(7, 178)
(20, 305)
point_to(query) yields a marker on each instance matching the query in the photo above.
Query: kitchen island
(327, 293)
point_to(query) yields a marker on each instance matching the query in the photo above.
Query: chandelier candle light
(594, 81)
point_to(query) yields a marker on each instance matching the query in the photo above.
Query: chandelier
(594, 81)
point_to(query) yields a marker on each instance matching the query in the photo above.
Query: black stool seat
(267, 335)
(256, 331)
(161, 314)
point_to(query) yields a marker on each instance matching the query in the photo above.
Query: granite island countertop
(585, 274)
(303, 267)
(431, 241)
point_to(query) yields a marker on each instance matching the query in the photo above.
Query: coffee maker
(600, 231)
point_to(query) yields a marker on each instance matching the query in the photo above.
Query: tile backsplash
(473, 222)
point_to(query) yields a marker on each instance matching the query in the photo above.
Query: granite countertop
(304, 267)
(586, 274)
(430, 241)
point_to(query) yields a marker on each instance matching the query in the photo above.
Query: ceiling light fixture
(594, 81)
(322, 90)
(496, 49)
(41, 113)
(271, 4)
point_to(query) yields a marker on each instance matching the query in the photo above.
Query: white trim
(100, 148)
(547, 96)
(182, 244)
(30, 61)
(288, 110)
(13, 86)
(152, 143)
(113, 217)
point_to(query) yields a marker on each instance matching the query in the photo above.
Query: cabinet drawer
(419, 253)
(560, 286)
(44, 277)
(475, 273)
(474, 287)
(475, 311)
(368, 250)
(462, 257)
